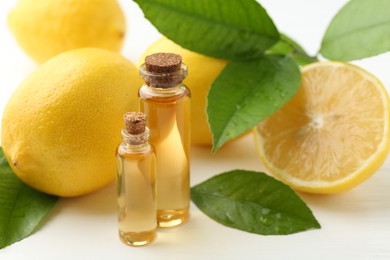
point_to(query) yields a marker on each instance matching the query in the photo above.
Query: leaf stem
(299, 51)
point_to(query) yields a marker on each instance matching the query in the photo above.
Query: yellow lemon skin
(45, 28)
(61, 126)
(202, 71)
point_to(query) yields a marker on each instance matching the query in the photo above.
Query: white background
(355, 224)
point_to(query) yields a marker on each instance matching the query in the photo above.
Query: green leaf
(21, 207)
(253, 202)
(359, 30)
(289, 47)
(233, 30)
(247, 92)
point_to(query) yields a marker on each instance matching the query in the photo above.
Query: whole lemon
(202, 71)
(61, 126)
(45, 28)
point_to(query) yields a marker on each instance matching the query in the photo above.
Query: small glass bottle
(166, 101)
(136, 183)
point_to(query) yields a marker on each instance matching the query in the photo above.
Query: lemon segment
(332, 135)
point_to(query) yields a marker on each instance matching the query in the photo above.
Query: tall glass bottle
(166, 101)
(136, 183)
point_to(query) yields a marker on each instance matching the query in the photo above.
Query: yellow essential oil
(136, 183)
(166, 101)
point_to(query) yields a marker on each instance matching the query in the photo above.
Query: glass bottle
(166, 101)
(136, 183)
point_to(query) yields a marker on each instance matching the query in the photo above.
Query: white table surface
(355, 224)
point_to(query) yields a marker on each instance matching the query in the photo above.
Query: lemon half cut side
(332, 135)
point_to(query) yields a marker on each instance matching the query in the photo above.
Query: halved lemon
(332, 135)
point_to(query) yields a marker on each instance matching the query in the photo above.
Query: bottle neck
(135, 143)
(175, 91)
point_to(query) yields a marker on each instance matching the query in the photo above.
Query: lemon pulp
(332, 135)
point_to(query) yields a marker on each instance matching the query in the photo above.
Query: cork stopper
(135, 122)
(163, 70)
(163, 62)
